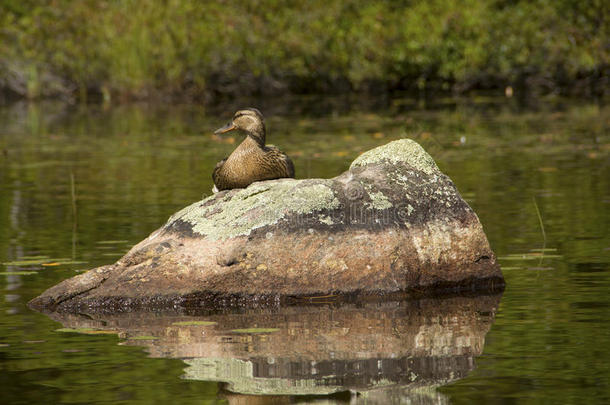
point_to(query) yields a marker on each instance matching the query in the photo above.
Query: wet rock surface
(391, 224)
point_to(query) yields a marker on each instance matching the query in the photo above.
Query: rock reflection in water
(384, 351)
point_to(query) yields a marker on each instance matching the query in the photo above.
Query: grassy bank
(190, 49)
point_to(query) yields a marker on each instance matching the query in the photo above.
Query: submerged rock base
(391, 224)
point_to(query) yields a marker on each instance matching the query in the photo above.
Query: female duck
(251, 161)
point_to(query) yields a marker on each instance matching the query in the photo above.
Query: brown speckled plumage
(251, 161)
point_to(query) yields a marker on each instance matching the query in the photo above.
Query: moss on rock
(402, 150)
(379, 201)
(256, 206)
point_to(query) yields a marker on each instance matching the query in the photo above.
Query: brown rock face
(391, 224)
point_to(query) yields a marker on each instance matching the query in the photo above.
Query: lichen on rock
(256, 206)
(379, 201)
(402, 150)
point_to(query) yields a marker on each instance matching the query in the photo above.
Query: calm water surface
(80, 185)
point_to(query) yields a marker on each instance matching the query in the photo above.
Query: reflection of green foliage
(187, 48)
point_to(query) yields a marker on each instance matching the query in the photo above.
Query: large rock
(393, 223)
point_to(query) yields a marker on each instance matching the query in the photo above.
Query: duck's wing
(289, 165)
(216, 174)
(285, 161)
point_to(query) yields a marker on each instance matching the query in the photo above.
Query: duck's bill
(226, 128)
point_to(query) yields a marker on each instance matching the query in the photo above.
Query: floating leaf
(193, 323)
(37, 165)
(143, 338)
(18, 273)
(64, 263)
(40, 261)
(529, 256)
(544, 250)
(511, 268)
(40, 257)
(67, 330)
(25, 262)
(86, 331)
(255, 330)
(111, 242)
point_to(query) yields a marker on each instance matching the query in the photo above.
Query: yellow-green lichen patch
(257, 206)
(255, 330)
(379, 201)
(194, 323)
(325, 219)
(144, 337)
(402, 150)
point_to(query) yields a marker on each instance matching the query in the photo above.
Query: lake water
(80, 185)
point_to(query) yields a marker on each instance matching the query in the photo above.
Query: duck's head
(248, 120)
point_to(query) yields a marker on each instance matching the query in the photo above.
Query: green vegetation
(194, 323)
(255, 330)
(86, 331)
(144, 337)
(196, 50)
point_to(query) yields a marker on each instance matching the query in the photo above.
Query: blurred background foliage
(193, 50)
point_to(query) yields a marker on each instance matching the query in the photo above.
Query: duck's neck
(257, 134)
(249, 144)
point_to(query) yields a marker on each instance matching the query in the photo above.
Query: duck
(252, 160)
